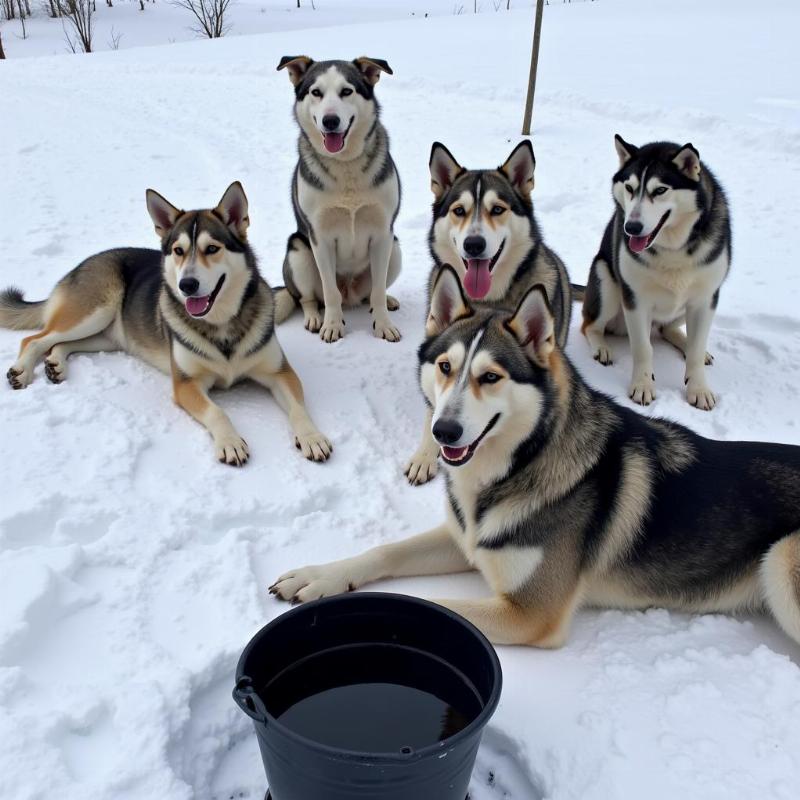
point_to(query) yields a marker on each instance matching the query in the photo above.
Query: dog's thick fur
(346, 196)
(137, 300)
(483, 222)
(562, 498)
(662, 261)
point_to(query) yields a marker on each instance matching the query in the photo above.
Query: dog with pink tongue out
(484, 227)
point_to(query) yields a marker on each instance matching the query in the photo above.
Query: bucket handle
(248, 700)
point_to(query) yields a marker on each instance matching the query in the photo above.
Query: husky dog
(662, 260)
(197, 309)
(562, 498)
(346, 195)
(483, 223)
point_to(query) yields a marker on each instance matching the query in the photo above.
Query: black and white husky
(562, 498)
(662, 261)
(484, 225)
(346, 195)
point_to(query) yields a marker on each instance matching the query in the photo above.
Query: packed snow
(133, 567)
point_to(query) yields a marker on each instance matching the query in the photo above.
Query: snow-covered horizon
(133, 567)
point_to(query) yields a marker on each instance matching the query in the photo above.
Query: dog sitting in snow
(345, 194)
(198, 309)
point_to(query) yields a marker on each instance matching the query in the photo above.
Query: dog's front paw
(311, 583)
(19, 377)
(422, 467)
(332, 329)
(643, 390)
(384, 329)
(392, 303)
(312, 321)
(314, 446)
(55, 369)
(232, 450)
(603, 354)
(699, 395)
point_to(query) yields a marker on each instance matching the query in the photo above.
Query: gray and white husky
(483, 223)
(197, 309)
(561, 498)
(346, 195)
(662, 261)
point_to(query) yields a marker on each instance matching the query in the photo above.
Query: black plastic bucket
(383, 640)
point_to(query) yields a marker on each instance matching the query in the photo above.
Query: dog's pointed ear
(444, 169)
(162, 212)
(520, 166)
(533, 326)
(688, 161)
(232, 209)
(625, 151)
(297, 66)
(371, 68)
(448, 302)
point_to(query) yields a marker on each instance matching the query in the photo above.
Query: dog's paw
(55, 369)
(699, 395)
(643, 390)
(19, 377)
(421, 468)
(332, 329)
(603, 355)
(709, 359)
(312, 321)
(384, 329)
(392, 303)
(232, 450)
(314, 446)
(311, 583)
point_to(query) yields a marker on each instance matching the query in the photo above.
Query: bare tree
(22, 18)
(113, 42)
(79, 16)
(9, 11)
(210, 16)
(2, 52)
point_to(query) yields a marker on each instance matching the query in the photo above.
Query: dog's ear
(533, 325)
(688, 162)
(625, 151)
(520, 166)
(444, 169)
(232, 208)
(371, 68)
(448, 302)
(297, 66)
(162, 212)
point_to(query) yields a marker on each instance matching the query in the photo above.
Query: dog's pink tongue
(638, 243)
(196, 305)
(334, 142)
(478, 279)
(454, 453)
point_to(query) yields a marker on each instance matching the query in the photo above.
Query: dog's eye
(497, 211)
(316, 93)
(459, 211)
(178, 251)
(629, 189)
(345, 93)
(444, 366)
(489, 377)
(211, 249)
(660, 190)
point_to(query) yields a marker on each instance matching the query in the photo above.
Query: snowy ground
(133, 567)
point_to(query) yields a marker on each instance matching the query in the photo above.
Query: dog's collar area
(640, 243)
(458, 456)
(200, 306)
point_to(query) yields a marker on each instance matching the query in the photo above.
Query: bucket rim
(437, 748)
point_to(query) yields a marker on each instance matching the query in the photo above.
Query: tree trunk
(2, 52)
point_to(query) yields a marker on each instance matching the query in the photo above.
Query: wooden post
(537, 35)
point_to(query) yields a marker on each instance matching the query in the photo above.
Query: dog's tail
(18, 314)
(578, 292)
(285, 304)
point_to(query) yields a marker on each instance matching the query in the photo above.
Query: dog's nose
(447, 431)
(474, 245)
(189, 286)
(633, 228)
(330, 122)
